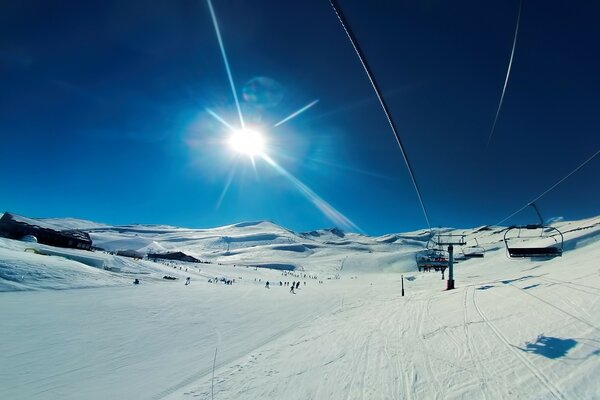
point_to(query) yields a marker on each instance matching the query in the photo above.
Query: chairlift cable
(512, 55)
(551, 187)
(363, 61)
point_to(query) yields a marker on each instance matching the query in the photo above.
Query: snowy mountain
(257, 244)
(512, 328)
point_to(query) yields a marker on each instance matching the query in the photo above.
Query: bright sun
(247, 142)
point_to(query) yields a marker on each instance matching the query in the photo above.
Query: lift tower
(450, 240)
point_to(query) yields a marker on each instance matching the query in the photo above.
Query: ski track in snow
(420, 315)
(205, 372)
(542, 378)
(567, 313)
(476, 364)
(595, 291)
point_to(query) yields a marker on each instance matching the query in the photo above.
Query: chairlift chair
(459, 256)
(533, 240)
(432, 257)
(473, 251)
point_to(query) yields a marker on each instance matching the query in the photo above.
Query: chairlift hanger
(475, 251)
(547, 234)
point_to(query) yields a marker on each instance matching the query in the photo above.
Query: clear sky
(103, 111)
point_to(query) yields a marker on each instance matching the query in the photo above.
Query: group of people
(294, 285)
(226, 281)
(286, 273)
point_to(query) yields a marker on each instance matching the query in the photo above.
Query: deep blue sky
(102, 111)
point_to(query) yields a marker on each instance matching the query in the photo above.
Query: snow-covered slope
(258, 243)
(522, 328)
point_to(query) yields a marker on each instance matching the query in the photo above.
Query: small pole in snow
(402, 285)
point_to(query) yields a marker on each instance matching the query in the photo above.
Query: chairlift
(433, 257)
(533, 240)
(473, 251)
(459, 256)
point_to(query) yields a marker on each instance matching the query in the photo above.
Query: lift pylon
(450, 240)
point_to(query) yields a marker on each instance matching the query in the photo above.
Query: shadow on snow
(549, 347)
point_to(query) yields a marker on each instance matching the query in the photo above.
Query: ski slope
(511, 329)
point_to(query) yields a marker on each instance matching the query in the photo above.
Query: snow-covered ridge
(256, 243)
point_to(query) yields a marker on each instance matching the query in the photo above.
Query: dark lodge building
(16, 227)
(130, 253)
(173, 256)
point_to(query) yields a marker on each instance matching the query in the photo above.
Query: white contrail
(296, 113)
(512, 54)
(216, 25)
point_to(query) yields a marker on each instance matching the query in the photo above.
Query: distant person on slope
(267, 285)
(187, 281)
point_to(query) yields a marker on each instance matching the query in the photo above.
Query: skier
(187, 281)
(267, 285)
(136, 281)
(292, 290)
(297, 284)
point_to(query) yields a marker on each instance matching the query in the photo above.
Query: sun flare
(249, 142)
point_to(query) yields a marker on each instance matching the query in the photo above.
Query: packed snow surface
(526, 328)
